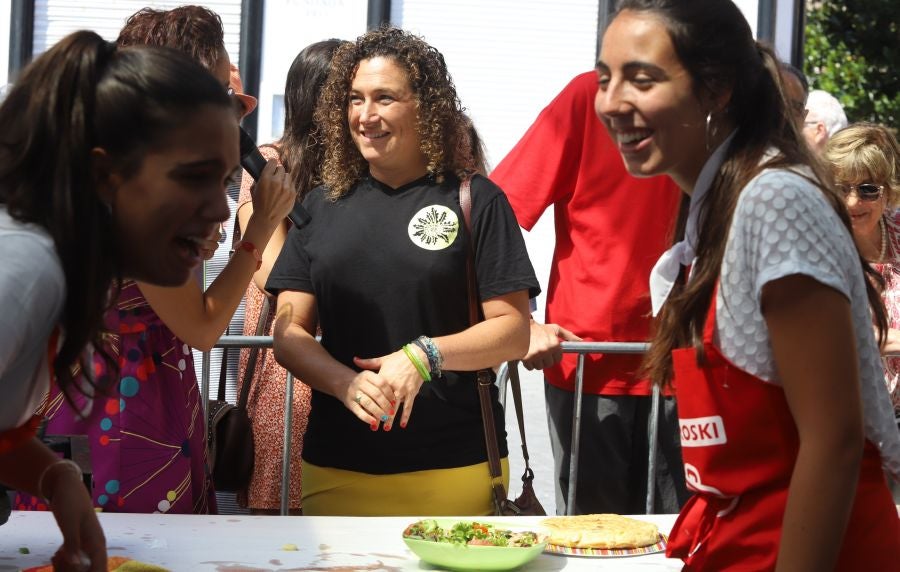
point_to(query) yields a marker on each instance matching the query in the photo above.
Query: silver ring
(358, 398)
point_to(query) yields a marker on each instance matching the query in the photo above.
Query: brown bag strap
(260, 330)
(483, 376)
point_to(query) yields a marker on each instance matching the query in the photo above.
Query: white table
(256, 543)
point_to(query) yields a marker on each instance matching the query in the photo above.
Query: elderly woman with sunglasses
(864, 158)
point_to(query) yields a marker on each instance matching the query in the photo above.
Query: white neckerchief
(684, 253)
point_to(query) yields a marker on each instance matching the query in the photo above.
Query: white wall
(507, 57)
(5, 17)
(288, 27)
(54, 19)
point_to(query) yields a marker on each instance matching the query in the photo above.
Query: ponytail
(45, 179)
(81, 94)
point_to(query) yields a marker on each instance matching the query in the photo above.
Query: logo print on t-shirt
(434, 227)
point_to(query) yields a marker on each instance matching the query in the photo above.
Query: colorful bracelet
(435, 358)
(420, 367)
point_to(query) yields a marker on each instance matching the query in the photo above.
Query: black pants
(613, 455)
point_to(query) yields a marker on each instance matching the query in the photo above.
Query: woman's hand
(544, 349)
(370, 397)
(403, 378)
(273, 198)
(84, 546)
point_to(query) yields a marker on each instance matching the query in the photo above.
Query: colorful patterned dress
(147, 440)
(266, 403)
(890, 270)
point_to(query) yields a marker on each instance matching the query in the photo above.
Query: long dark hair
(81, 94)
(300, 149)
(714, 43)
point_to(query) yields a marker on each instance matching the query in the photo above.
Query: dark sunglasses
(865, 191)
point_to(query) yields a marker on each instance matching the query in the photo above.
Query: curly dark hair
(441, 122)
(193, 30)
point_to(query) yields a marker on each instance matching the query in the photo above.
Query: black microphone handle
(253, 161)
(299, 216)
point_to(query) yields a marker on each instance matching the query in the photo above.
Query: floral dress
(265, 403)
(890, 270)
(147, 440)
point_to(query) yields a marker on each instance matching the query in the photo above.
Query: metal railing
(583, 348)
(580, 348)
(263, 342)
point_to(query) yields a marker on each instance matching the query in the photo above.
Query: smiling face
(175, 197)
(646, 100)
(864, 215)
(383, 121)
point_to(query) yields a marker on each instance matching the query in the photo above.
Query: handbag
(229, 430)
(527, 503)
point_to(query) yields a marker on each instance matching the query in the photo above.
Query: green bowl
(466, 557)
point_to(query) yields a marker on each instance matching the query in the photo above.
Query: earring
(711, 131)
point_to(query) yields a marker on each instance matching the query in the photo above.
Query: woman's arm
(298, 351)
(892, 343)
(501, 336)
(35, 469)
(811, 330)
(273, 248)
(199, 317)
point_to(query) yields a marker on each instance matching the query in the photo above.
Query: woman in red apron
(764, 309)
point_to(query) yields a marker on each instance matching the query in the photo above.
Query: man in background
(610, 230)
(825, 116)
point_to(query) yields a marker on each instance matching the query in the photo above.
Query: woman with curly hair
(382, 268)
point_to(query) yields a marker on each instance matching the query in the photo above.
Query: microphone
(253, 162)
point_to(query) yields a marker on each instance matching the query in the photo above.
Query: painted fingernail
(403, 424)
(374, 426)
(393, 404)
(385, 418)
(391, 412)
(387, 427)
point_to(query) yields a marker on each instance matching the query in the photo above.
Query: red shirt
(610, 230)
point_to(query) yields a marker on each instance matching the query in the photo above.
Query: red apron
(739, 445)
(17, 436)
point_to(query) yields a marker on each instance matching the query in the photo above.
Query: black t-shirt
(386, 266)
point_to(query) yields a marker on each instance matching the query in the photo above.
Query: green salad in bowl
(474, 545)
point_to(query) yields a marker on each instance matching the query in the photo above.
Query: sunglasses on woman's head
(864, 191)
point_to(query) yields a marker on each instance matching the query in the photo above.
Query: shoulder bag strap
(483, 377)
(254, 353)
(260, 329)
(223, 370)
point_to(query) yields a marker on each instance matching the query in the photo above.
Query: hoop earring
(711, 131)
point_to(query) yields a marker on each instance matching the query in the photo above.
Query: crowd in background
(704, 200)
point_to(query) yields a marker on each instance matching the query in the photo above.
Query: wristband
(62, 463)
(435, 359)
(420, 367)
(251, 248)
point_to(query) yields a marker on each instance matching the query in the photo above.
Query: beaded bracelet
(420, 367)
(435, 359)
(63, 463)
